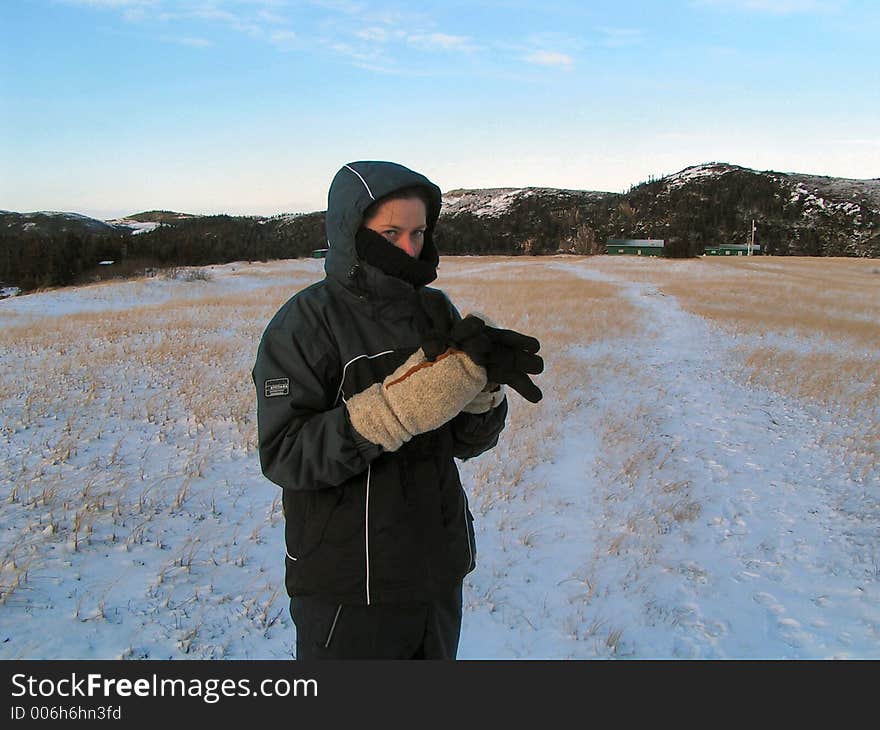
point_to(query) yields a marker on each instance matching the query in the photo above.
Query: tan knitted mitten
(417, 397)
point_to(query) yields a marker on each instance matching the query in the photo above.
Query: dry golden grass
(827, 310)
(562, 310)
(826, 378)
(816, 300)
(186, 364)
(785, 306)
(849, 385)
(569, 315)
(833, 298)
(157, 362)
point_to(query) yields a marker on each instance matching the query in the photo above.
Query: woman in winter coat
(363, 407)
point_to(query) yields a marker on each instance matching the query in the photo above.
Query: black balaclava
(378, 251)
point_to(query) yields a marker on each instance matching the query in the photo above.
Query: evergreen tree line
(31, 260)
(718, 210)
(220, 239)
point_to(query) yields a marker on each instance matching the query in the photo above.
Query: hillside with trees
(700, 206)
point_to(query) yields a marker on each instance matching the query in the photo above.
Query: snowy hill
(51, 222)
(135, 226)
(160, 216)
(813, 190)
(485, 201)
(150, 220)
(48, 222)
(698, 207)
(795, 214)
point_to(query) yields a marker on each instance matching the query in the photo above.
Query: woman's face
(403, 223)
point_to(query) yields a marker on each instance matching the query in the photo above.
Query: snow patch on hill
(135, 226)
(697, 172)
(484, 202)
(838, 189)
(833, 195)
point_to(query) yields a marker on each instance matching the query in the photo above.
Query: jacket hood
(354, 188)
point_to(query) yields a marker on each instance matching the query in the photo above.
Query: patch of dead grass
(833, 298)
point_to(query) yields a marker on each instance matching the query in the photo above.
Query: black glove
(507, 355)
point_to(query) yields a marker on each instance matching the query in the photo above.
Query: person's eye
(419, 233)
(390, 234)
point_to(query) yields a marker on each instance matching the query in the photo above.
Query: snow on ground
(680, 513)
(121, 295)
(758, 544)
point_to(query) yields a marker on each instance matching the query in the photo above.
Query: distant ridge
(701, 206)
(51, 222)
(160, 216)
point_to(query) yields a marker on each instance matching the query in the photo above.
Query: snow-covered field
(702, 478)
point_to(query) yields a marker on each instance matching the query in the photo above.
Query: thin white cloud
(212, 12)
(374, 34)
(271, 17)
(121, 4)
(191, 42)
(620, 37)
(132, 10)
(364, 35)
(254, 17)
(283, 37)
(239, 16)
(356, 54)
(441, 41)
(561, 42)
(375, 58)
(550, 58)
(342, 6)
(382, 40)
(773, 7)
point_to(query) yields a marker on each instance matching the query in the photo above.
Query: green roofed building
(635, 246)
(731, 249)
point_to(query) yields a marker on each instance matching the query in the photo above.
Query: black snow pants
(425, 630)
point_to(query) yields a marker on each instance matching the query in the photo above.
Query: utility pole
(752, 239)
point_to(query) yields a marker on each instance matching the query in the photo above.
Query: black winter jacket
(362, 525)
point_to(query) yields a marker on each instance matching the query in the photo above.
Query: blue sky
(110, 107)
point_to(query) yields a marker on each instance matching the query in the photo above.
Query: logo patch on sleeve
(277, 386)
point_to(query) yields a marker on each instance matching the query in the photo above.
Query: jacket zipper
(333, 627)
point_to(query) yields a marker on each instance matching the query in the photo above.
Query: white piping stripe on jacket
(367, 508)
(290, 556)
(367, 531)
(342, 380)
(372, 197)
(467, 534)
